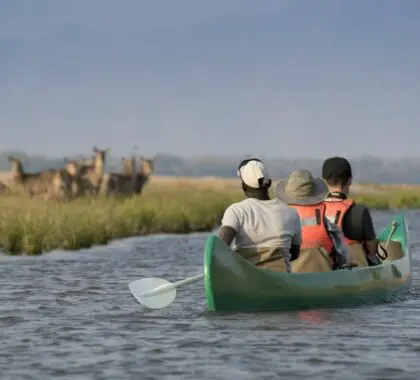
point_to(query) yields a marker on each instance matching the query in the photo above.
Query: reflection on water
(70, 315)
(314, 317)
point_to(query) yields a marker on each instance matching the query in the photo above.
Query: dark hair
(336, 171)
(338, 181)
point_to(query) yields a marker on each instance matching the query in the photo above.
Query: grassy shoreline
(34, 227)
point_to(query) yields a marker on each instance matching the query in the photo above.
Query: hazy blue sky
(264, 77)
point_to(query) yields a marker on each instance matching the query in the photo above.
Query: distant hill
(366, 169)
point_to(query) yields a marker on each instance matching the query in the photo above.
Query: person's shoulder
(358, 215)
(238, 206)
(359, 208)
(359, 223)
(286, 209)
(233, 214)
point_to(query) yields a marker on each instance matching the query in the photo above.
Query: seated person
(306, 195)
(354, 219)
(264, 231)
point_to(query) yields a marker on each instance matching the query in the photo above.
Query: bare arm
(230, 225)
(296, 239)
(294, 251)
(372, 247)
(358, 225)
(370, 241)
(227, 234)
(369, 235)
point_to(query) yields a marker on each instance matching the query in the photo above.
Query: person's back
(354, 219)
(264, 231)
(261, 225)
(320, 237)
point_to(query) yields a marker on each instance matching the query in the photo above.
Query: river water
(71, 316)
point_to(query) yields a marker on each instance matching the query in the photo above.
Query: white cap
(252, 172)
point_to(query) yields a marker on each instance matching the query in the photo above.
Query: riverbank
(33, 227)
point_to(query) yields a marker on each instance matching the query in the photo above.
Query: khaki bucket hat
(301, 188)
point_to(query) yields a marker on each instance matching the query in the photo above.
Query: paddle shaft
(394, 227)
(188, 280)
(170, 286)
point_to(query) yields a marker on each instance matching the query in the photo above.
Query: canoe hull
(233, 284)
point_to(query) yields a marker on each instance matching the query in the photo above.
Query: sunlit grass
(33, 226)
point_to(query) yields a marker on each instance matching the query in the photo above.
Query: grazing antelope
(95, 172)
(49, 183)
(145, 171)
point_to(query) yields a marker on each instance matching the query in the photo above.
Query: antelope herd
(84, 177)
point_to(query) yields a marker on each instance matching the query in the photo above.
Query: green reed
(33, 226)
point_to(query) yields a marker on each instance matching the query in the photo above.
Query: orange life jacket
(314, 231)
(335, 211)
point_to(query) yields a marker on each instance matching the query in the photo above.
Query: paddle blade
(155, 293)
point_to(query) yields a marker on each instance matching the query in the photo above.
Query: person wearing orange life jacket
(306, 194)
(354, 219)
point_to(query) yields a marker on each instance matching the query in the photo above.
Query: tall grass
(33, 227)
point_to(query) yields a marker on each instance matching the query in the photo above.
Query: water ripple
(70, 315)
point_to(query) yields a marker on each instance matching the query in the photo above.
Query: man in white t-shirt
(264, 231)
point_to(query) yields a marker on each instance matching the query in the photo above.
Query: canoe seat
(311, 260)
(394, 249)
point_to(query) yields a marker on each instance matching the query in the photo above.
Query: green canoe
(232, 283)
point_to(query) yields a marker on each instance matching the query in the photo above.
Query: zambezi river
(70, 315)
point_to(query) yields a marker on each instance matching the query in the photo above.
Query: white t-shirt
(263, 224)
